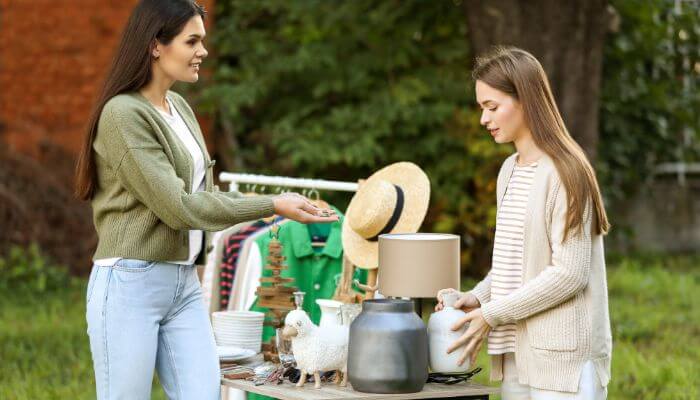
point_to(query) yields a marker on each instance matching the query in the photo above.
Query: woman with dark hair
(543, 307)
(146, 171)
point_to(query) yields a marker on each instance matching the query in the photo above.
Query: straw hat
(393, 200)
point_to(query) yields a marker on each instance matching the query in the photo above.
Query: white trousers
(589, 386)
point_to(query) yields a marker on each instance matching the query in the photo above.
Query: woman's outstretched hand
(298, 208)
(473, 338)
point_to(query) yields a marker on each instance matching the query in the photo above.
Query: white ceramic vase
(330, 312)
(441, 336)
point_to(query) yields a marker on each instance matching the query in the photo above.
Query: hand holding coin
(299, 208)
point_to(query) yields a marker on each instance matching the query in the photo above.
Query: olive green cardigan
(143, 207)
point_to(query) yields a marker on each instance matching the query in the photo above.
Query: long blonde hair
(518, 73)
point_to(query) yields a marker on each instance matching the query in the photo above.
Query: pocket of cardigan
(555, 329)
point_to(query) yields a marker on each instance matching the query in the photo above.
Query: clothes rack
(318, 184)
(234, 179)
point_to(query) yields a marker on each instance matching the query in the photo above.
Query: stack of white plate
(232, 353)
(241, 329)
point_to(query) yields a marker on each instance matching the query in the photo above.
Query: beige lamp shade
(418, 264)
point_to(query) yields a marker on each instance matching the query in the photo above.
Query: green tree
(650, 93)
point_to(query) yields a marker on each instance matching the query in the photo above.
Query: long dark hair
(131, 69)
(518, 74)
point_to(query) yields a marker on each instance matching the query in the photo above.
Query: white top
(183, 133)
(208, 280)
(507, 262)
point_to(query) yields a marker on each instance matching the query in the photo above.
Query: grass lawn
(654, 303)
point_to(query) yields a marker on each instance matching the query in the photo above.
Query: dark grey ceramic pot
(388, 349)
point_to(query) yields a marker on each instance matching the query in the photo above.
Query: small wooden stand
(371, 287)
(344, 292)
(371, 284)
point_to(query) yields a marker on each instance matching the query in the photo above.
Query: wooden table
(331, 391)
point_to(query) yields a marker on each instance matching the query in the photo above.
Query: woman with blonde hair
(543, 305)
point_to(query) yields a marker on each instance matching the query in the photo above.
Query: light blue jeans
(143, 316)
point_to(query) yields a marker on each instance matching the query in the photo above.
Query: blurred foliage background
(650, 93)
(339, 89)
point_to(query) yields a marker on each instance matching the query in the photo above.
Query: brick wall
(53, 57)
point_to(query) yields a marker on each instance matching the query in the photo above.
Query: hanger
(316, 200)
(249, 192)
(318, 244)
(267, 220)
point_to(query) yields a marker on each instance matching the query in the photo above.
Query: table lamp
(418, 265)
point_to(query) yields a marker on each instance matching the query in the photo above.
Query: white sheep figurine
(316, 348)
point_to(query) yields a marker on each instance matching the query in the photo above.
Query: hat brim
(416, 188)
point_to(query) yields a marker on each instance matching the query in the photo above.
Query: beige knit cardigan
(561, 310)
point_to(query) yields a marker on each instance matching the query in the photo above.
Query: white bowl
(237, 315)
